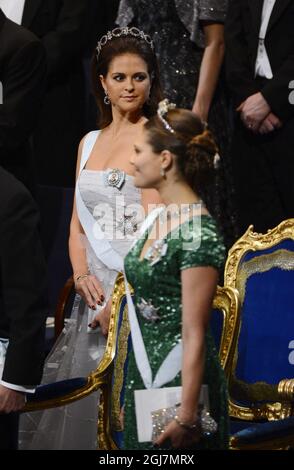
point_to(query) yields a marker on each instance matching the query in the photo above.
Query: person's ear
(102, 81)
(166, 159)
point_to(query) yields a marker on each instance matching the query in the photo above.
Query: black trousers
(263, 171)
(9, 431)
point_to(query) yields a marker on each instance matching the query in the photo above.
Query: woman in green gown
(173, 269)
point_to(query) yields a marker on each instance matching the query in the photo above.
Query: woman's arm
(210, 68)
(88, 287)
(198, 289)
(77, 252)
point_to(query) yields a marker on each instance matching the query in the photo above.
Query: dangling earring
(106, 99)
(162, 172)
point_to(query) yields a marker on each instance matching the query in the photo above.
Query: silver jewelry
(115, 178)
(162, 172)
(185, 209)
(216, 161)
(196, 426)
(148, 311)
(205, 424)
(106, 99)
(128, 224)
(156, 251)
(119, 32)
(163, 108)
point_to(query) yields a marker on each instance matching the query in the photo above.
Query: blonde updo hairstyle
(193, 146)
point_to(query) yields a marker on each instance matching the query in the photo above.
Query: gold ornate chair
(108, 377)
(261, 268)
(63, 392)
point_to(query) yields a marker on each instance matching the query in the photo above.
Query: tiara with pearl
(119, 32)
(163, 108)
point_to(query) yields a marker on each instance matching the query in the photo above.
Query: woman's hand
(90, 289)
(179, 437)
(102, 318)
(200, 112)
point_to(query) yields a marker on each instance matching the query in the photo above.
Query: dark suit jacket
(241, 33)
(23, 305)
(22, 73)
(61, 25)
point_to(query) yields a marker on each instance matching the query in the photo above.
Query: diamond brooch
(148, 311)
(128, 224)
(115, 178)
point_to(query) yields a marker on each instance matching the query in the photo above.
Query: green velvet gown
(161, 285)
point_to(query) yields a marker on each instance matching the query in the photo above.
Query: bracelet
(81, 276)
(189, 427)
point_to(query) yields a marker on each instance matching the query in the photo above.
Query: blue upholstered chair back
(261, 268)
(266, 286)
(216, 326)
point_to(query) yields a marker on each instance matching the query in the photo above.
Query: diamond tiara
(163, 108)
(119, 32)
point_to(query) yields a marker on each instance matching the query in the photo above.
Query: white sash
(172, 364)
(101, 246)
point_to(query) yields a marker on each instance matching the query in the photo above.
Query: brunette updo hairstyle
(113, 48)
(196, 152)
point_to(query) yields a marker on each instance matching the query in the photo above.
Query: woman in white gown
(106, 219)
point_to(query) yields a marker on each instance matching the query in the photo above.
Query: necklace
(184, 209)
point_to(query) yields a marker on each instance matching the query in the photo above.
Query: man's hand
(270, 123)
(253, 111)
(11, 400)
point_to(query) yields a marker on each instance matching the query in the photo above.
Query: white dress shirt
(13, 9)
(263, 66)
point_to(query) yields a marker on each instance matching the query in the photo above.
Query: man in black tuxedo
(23, 306)
(22, 76)
(62, 27)
(260, 69)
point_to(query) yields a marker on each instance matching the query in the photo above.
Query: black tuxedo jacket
(22, 74)
(241, 33)
(23, 305)
(61, 25)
